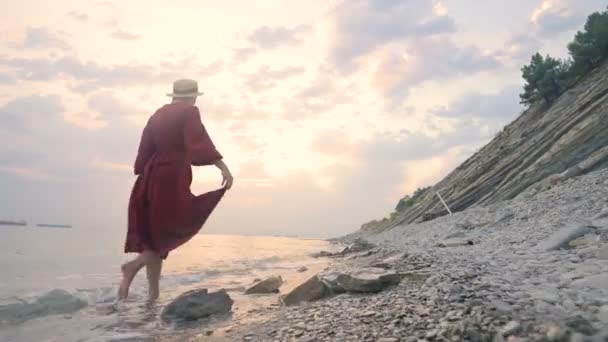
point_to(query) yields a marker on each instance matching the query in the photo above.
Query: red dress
(163, 212)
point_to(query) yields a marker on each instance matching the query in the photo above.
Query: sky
(327, 112)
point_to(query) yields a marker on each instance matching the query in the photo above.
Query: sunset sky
(327, 112)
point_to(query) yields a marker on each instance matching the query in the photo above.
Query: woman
(163, 213)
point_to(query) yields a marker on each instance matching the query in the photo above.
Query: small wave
(54, 302)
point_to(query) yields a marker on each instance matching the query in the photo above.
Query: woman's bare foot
(129, 270)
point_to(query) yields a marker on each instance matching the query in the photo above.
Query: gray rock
(557, 334)
(602, 253)
(382, 265)
(580, 325)
(395, 258)
(55, 302)
(454, 243)
(197, 304)
(456, 235)
(510, 328)
(270, 285)
(367, 282)
(602, 215)
(582, 242)
(431, 333)
(603, 314)
(577, 337)
(310, 290)
(561, 238)
(324, 254)
(363, 254)
(359, 245)
(598, 281)
(302, 269)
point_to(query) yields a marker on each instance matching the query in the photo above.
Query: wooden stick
(443, 202)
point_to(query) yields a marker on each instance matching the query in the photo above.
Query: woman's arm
(197, 142)
(144, 152)
(226, 174)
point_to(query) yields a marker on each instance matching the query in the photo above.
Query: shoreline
(534, 268)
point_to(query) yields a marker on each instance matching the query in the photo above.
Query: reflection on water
(209, 261)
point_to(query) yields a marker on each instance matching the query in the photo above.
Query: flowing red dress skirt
(163, 212)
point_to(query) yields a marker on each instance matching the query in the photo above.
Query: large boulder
(359, 245)
(366, 282)
(324, 254)
(270, 285)
(602, 253)
(197, 304)
(597, 281)
(561, 238)
(312, 289)
(454, 243)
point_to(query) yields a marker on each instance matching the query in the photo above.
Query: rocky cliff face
(539, 149)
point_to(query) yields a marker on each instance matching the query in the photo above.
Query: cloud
(553, 17)
(521, 45)
(320, 96)
(397, 147)
(124, 35)
(241, 55)
(110, 107)
(267, 38)
(430, 58)
(440, 9)
(13, 157)
(253, 172)
(28, 173)
(358, 27)
(502, 105)
(7, 79)
(78, 16)
(20, 114)
(112, 166)
(210, 70)
(90, 75)
(332, 142)
(217, 111)
(266, 77)
(42, 38)
(246, 142)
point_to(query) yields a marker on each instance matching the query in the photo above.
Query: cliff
(542, 147)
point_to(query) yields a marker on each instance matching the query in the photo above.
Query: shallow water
(60, 285)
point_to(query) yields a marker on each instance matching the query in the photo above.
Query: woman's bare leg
(153, 271)
(130, 269)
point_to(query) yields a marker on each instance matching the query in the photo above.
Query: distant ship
(46, 225)
(12, 223)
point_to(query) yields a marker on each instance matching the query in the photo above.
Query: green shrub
(546, 79)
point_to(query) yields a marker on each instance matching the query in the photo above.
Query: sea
(60, 284)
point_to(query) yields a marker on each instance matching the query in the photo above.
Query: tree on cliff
(590, 47)
(546, 78)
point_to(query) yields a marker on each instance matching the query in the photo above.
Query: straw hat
(185, 88)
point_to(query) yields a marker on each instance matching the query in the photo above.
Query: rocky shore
(534, 268)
